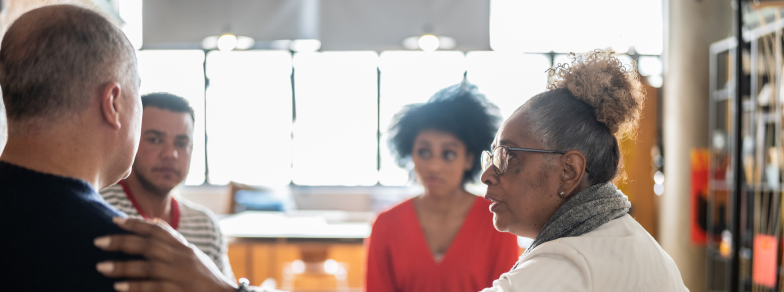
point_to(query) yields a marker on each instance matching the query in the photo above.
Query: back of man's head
(53, 60)
(70, 86)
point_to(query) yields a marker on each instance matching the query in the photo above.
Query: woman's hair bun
(599, 79)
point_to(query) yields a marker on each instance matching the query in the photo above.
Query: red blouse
(400, 260)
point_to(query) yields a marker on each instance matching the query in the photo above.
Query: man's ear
(110, 104)
(573, 165)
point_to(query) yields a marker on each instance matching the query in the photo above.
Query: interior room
(297, 108)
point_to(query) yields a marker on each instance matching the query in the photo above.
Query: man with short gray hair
(71, 92)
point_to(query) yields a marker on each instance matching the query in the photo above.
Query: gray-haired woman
(549, 177)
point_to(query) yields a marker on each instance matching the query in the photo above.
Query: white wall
(692, 27)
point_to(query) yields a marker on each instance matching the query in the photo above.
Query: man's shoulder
(61, 248)
(65, 224)
(37, 204)
(53, 213)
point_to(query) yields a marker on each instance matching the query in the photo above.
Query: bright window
(325, 130)
(335, 135)
(576, 25)
(249, 117)
(180, 73)
(333, 140)
(507, 80)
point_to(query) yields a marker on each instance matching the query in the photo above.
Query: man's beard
(148, 185)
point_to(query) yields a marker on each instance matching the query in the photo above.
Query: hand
(170, 265)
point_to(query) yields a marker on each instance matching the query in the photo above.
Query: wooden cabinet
(260, 259)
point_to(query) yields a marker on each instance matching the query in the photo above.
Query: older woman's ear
(573, 175)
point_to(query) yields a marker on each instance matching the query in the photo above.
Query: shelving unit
(721, 91)
(746, 157)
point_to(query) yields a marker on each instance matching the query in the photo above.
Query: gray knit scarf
(583, 213)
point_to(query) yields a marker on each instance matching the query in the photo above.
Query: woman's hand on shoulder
(171, 263)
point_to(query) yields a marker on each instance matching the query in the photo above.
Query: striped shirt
(196, 223)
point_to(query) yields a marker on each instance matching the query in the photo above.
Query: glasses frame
(491, 156)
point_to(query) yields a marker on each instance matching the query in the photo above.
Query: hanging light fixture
(305, 45)
(429, 43)
(228, 42)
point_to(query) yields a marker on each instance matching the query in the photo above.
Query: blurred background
(294, 99)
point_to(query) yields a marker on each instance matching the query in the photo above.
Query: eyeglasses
(500, 157)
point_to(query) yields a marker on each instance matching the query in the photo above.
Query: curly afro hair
(591, 103)
(459, 110)
(599, 79)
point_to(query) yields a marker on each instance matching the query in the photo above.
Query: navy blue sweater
(47, 227)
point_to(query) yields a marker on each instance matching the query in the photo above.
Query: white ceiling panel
(339, 24)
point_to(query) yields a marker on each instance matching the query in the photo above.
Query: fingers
(163, 224)
(146, 286)
(148, 229)
(132, 244)
(133, 269)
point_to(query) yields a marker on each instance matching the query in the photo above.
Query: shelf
(748, 105)
(768, 117)
(719, 185)
(765, 189)
(735, 121)
(715, 256)
(725, 95)
(721, 94)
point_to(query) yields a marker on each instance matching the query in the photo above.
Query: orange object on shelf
(764, 262)
(700, 163)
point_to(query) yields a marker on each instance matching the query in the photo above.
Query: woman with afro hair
(442, 239)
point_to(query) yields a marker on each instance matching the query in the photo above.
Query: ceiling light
(227, 42)
(280, 44)
(655, 80)
(210, 42)
(411, 43)
(649, 66)
(429, 42)
(446, 43)
(244, 43)
(306, 45)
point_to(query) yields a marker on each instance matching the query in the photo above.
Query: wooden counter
(264, 245)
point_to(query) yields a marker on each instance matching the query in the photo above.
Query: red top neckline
(399, 259)
(175, 216)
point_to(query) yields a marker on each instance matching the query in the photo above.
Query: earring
(562, 194)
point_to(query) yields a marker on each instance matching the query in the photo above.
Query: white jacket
(618, 256)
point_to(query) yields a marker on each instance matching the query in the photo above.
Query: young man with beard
(162, 163)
